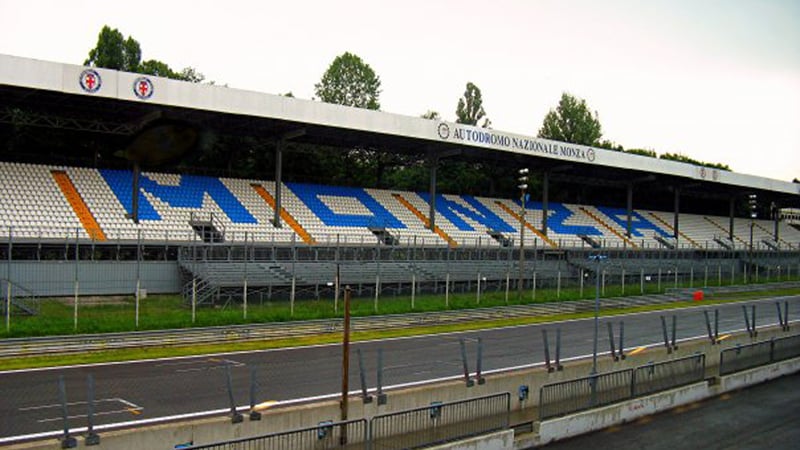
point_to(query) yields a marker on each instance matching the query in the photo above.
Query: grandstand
(290, 239)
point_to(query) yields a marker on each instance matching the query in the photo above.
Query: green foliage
(432, 115)
(609, 145)
(686, 159)
(113, 51)
(572, 122)
(470, 107)
(642, 152)
(350, 81)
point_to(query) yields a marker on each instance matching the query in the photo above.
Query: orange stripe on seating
(78, 205)
(425, 220)
(527, 224)
(670, 228)
(304, 235)
(607, 226)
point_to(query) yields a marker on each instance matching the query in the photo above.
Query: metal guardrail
(440, 422)
(743, 357)
(349, 435)
(236, 333)
(571, 396)
(656, 377)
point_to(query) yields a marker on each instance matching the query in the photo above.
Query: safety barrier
(349, 435)
(440, 422)
(666, 375)
(571, 396)
(743, 357)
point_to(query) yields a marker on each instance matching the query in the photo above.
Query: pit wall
(524, 412)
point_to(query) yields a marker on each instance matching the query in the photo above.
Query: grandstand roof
(116, 101)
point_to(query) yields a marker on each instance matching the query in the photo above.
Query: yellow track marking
(637, 350)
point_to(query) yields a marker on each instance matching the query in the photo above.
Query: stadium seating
(37, 202)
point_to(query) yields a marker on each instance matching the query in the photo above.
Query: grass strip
(121, 355)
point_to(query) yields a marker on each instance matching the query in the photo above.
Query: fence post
(467, 380)
(254, 415)
(479, 363)
(786, 315)
(708, 327)
(666, 337)
(67, 441)
(364, 396)
(674, 332)
(546, 351)
(379, 393)
(621, 341)
(235, 416)
(747, 321)
(753, 319)
(611, 341)
(559, 367)
(92, 438)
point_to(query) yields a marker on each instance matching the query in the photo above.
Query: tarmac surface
(765, 416)
(134, 391)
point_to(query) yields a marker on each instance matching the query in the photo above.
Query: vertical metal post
(479, 363)
(379, 376)
(623, 281)
(596, 319)
(75, 300)
(558, 350)
(641, 281)
(558, 285)
(621, 339)
(91, 437)
(780, 315)
(138, 272)
(447, 290)
(413, 288)
(244, 287)
(747, 321)
(708, 327)
(674, 331)
(67, 441)
(508, 281)
(659, 279)
(345, 360)
(522, 211)
(611, 341)
(533, 287)
(8, 279)
(786, 315)
(467, 380)
(716, 325)
(546, 351)
(580, 275)
(666, 337)
(235, 416)
(366, 398)
(478, 300)
(254, 415)
(753, 319)
(276, 216)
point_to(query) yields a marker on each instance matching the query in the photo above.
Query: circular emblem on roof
(702, 172)
(590, 154)
(90, 81)
(143, 88)
(443, 130)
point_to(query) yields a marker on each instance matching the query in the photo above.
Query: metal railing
(666, 375)
(350, 435)
(743, 357)
(571, 396)
(440, 422)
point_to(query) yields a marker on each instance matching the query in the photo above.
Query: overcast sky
(715, 80)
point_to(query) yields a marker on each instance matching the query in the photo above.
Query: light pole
(752, 203)
(523, 188)
(596, 259)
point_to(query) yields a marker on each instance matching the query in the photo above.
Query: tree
(432, 115)
(571, 122)
(113, 51)
(350, 81)
(470, 107)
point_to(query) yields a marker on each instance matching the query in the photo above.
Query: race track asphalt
(29, 400)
